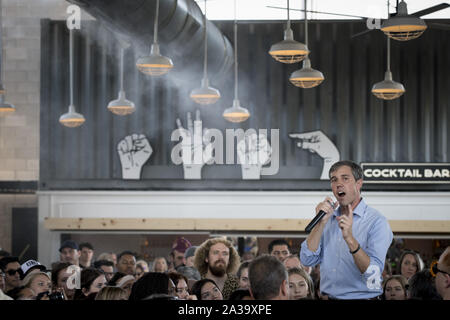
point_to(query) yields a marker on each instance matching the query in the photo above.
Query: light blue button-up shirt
(339, 276)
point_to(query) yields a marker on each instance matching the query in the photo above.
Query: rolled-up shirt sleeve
(378, 242)
(308, 257)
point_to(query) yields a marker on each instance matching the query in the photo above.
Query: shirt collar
(359, 210)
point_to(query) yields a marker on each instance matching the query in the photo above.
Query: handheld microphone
(316, 219)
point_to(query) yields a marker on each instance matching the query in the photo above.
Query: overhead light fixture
(289, 50)
(5, 107)
(388, 89)
(236, 113)
(121, 106)
(306, 77)
(403, 27)
(155, 64)
(205, 94)
(71, 119)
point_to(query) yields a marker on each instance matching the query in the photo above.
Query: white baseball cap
(29, 265)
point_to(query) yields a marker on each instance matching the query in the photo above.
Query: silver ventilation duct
(180, 32)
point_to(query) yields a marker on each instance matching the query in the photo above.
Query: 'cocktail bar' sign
(406, 172)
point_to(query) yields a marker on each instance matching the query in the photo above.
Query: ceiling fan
(401, 15)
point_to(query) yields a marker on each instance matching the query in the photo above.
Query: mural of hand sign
(253, 153)
(318, 142)
(195, 150)
(134, 151)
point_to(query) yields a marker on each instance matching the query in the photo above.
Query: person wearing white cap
(31, 266)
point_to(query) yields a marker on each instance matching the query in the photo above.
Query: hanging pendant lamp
(205, 94)
(71, 119)
(306, 77)
(236, 113)
(121, 106)
(155, 64)
(403, 27)
(5, 107)
(388, 89)
(289, 50)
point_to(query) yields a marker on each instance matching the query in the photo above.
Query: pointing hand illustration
(318, 142)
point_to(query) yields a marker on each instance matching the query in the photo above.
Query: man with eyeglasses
(11, 268)
(441, 272)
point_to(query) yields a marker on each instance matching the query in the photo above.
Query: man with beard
(218, 260)
(350, 242)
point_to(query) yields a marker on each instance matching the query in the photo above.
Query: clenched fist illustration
(134, 151)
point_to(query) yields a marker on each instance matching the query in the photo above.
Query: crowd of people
(344, 257)
(212, 270)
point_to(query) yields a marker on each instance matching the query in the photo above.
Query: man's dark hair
(115, 278)
(239, 294)
(85, 245)
(6, 260)
(422, 287)
(57, 268)
(278, 242)
(356, 169)
(126, 253)
(150, 283)
(4, 253)
(266, 274)
(99, 263)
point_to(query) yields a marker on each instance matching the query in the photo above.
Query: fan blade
(441, 26)
(429, 10)
(330, 13)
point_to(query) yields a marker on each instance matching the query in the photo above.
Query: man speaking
(350, 242)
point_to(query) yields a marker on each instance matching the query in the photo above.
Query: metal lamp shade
(121, 106)
(155, 64)
(306, 77)
(205, 94)
(289, 50)
(5, 107)
(403, 27)
(236, 113)
(388, 89)
(72, 119)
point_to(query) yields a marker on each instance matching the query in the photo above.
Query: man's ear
(284, 292)
(359, 184)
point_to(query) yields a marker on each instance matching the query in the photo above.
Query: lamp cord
(235, 55)
(122, 50)
(71, 64)
(306, 26)
(1, 44)
(288, 18)
(388, 46)
(155, 29)
(205, 63)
